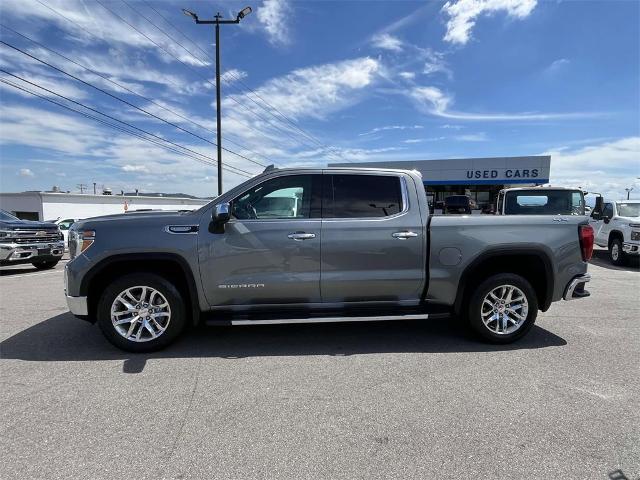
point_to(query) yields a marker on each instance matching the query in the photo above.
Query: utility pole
(217, 21)
(94, 188)
(81, 186)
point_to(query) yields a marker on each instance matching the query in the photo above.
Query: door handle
(404, 235)
(299, 236)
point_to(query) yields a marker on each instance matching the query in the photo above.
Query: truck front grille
(32, 236)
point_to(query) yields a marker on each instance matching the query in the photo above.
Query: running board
(376, 318)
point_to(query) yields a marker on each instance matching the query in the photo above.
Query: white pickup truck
(617, 227)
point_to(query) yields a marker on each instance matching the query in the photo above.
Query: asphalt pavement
(408, 400)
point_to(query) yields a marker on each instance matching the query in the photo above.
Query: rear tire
(616, 254)
(141, 312)
(503, 308)
(45, 265)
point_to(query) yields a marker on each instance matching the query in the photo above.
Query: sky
(306, 83)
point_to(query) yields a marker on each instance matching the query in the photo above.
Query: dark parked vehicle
(26, 241)
(314, 245)
(459, 204)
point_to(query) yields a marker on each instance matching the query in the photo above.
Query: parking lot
(365, 400)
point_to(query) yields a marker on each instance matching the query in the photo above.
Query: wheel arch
(613, 234)
(170, 266)
(533, 264)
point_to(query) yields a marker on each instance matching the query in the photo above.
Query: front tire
(45, 265)
(616, 254)
(141, 313)
(503, 308)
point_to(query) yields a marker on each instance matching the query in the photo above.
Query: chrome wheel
(615, 252)
(504, 309)
(140, 314)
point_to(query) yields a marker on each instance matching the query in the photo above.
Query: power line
(114, 126)
(124, 101)
(237, 78)
(169, 80)
(189, 66)
(192, 153)
(124, 87)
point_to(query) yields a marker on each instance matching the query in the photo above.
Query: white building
(53, 205)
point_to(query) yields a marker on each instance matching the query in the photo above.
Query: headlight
(80, 240)
(634, 225)
(5, 233)
(635, 235)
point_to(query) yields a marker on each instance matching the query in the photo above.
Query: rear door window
(362, 196)
(544, 202)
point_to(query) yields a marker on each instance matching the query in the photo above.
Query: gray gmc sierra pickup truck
(321, 245)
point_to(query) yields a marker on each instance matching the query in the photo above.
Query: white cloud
(273, 15)
(435, 63)
(463, 15)
(308, 93)
(421, 140)
(607, 168)
(318, 90)
(35, 127)
(472, 137)
(392, 127)
(134, 168)
(407, 75)
(436, 102)
(89, 22)
(347, 154)
(434, 99)
(386, 41)
(233, 75)
(556, 66)
(26, 172)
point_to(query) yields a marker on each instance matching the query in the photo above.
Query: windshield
(629, 209)
(544, 202)
(7, 217)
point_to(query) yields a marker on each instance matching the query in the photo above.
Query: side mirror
(599, 204)
(221, 215)
(596, 213)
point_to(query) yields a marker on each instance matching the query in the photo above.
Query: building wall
(22, 202)
(473, 171)
(63, 205)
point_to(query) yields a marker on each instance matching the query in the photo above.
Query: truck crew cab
(617, 228)
(321, 245)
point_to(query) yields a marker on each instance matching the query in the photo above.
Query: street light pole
(628, 191)
(217, 21)
(218, 110)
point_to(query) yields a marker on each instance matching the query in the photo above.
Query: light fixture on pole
(628, 190)
(217, 21)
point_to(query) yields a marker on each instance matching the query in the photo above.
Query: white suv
(617, 227)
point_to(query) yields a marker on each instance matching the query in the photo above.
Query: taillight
(586, 235)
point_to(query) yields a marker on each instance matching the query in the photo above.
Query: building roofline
(91, 195)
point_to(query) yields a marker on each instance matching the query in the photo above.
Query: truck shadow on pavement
(65, 338)
(600, 258)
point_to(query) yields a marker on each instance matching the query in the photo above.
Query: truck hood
(137, 219)
(635, 220)
(26, 225)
